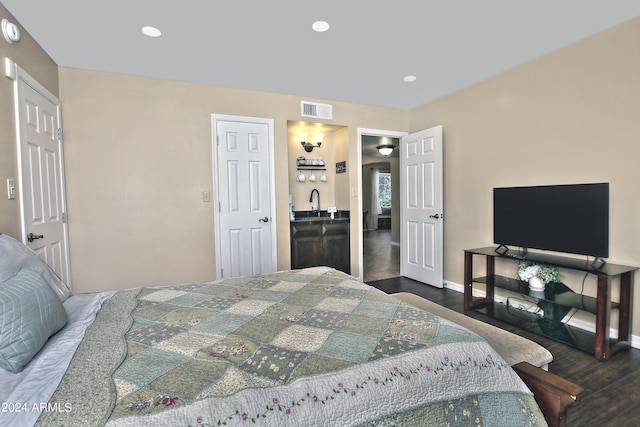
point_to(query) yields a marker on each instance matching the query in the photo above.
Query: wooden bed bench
(554, 394)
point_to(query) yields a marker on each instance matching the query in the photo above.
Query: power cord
(586, 274)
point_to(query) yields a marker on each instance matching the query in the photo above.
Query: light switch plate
(206, 196)
(11, 188)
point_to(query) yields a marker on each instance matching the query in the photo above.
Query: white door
(421, 207)
(243, 158)
(41, 173)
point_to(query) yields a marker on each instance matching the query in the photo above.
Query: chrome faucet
(311, 199)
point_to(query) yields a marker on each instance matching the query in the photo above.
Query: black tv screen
(562, 218)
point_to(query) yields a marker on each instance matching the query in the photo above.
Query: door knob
(31, 237)
(436, 216)
(265, 219)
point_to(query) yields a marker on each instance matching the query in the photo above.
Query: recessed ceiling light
(151, 31)
(409, 79)
(320, 26)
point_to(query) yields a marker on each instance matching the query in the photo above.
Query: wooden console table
(605, 346)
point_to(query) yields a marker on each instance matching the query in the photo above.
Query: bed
(302, 347)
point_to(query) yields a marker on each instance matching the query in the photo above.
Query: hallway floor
(381, 258)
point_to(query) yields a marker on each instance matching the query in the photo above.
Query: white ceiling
(269, 45)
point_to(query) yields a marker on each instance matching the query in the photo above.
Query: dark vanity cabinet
(320, 242)
(306, 245)
(335, 246)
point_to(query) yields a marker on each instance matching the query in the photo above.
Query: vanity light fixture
(385, 150)
(309, 146)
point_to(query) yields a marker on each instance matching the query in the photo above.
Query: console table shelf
(556, 301)
(556, 294)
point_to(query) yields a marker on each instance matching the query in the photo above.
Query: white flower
(529, 272)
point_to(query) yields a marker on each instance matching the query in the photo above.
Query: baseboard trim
(635, 340)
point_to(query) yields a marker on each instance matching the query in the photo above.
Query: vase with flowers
(537, 275)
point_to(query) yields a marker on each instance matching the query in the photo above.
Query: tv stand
(557, 298)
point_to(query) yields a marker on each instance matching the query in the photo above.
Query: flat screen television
(563, 218)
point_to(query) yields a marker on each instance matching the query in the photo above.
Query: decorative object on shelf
(341, 167)
(536, 284)
(385, 150)
(309, 146)
(315, 163)
(537, 275)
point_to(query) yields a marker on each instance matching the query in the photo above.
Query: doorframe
(21, 76)
(369, 132)
(215, 118)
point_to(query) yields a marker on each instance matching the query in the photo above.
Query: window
(384, 193)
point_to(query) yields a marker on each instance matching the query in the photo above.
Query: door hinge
(222, 273)
(217, 140)
(64, 217)
(59, 134)
(219, 206)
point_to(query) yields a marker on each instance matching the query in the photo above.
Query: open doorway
(380, 205)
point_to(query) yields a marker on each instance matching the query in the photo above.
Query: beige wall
(343, 185)
(138, 156)
(393, 167)
(569, 117)
(395, 200)
(32, 59)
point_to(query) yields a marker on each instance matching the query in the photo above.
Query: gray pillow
(14, 255)
(30, 312)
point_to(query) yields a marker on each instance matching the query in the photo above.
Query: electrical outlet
(11, 188)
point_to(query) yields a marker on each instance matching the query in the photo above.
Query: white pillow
(14, 256)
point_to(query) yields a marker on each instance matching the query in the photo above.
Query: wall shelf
(312, 168)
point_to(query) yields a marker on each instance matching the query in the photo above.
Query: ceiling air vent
(316, 110)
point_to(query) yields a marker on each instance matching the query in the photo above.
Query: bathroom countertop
(308, 217)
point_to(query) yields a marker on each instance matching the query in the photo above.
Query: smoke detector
(10, 31)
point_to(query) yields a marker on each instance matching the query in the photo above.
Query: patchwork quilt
(295, 348)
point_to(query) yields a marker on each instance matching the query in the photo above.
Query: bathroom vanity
(320, 240)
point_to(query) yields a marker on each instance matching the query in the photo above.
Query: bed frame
(553, 393)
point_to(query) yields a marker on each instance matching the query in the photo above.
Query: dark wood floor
(611, 394)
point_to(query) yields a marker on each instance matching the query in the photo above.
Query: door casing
(356, 220)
